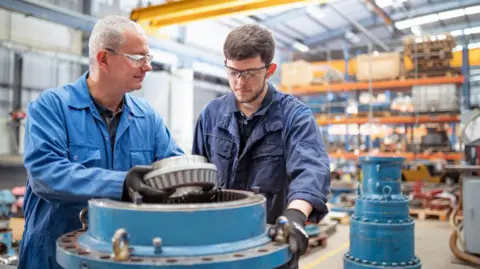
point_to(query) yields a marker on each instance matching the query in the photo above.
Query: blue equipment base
(381, 230)
(228, 233)
(350, 262)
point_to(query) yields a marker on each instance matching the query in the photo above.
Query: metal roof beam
(51, 13)
(85, 23)
(369, 22)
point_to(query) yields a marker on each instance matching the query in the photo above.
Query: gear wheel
(188, 174)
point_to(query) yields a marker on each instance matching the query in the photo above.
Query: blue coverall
(284, 155)
(69, 159)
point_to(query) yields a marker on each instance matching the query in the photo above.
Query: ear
(271, 70)
(102, 59)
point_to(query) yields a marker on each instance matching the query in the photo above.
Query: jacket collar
(80, 97)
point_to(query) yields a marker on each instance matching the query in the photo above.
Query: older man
(91, 139)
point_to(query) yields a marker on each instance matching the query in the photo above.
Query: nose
(147, 67)
(240, 80)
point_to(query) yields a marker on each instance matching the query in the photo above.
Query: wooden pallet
(436, 72)
(425, 213)
(315, 243)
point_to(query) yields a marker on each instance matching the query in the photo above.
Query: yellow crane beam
(184, 11)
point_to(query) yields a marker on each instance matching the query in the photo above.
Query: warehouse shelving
(376, 85)
(390, 119)
(450, 156)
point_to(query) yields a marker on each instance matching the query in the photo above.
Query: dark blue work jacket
(285, 152)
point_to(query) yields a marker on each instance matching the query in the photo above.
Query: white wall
(40, 71)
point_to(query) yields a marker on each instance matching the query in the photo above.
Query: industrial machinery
(8, 255)
(214, 229)
(381, 230)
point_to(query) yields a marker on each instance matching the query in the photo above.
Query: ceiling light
(472, 10)
(426, 19)
(441, 37)
(387, 3)
(451, 14)
(475, 30)
(315, 12)
(473, 45)
(300, 47)
(416, 30)
(456, 33)
(404, 24)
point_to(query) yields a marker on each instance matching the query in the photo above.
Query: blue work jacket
(288, 160)
(69, 159)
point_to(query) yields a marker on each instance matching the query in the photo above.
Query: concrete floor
(431, 245)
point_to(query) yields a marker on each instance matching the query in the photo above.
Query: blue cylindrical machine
(381, 230)
(227, 232)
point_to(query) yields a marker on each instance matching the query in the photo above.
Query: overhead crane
(185, 11)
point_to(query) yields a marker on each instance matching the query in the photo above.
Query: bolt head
(157, 241)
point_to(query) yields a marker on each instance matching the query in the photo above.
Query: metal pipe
(361, 28)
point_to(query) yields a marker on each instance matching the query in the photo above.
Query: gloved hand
(289, 228)
(134, 184)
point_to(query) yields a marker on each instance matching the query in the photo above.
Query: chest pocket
(268, 168)
(221, 155)
(141, 157)
(89, 156)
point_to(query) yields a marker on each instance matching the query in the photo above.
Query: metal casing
(230, 233)
(381, 230)
(471, 211)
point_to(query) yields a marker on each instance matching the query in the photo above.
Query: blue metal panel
(381, 230)
(466, 78)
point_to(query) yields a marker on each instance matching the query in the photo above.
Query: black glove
(134, 184)
(203, 196)
(289, 228)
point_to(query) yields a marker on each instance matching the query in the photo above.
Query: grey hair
(108, 33)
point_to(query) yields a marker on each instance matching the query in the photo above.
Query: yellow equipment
(183, 11)
(419, 172)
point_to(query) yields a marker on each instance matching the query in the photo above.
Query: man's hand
(290, 229)
(134, 184)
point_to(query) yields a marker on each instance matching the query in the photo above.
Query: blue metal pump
(381, 230)
(8, 255)
(228, 232)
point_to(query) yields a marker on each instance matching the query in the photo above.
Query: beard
(257, 93)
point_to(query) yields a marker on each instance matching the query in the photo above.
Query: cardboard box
(298, 73)
(385, 66)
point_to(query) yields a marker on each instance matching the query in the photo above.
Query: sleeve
(50, 172)
(307, 163)
(165, 145)
(199, 147)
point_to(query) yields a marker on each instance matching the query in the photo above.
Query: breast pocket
(268, 168)
(141, 157)
(221, 155)
(89, 156)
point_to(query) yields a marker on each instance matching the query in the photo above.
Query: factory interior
(392, 87)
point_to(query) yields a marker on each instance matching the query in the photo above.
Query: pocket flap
(266, 150)
(83, 154)
(221, 146)
(141, 157)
